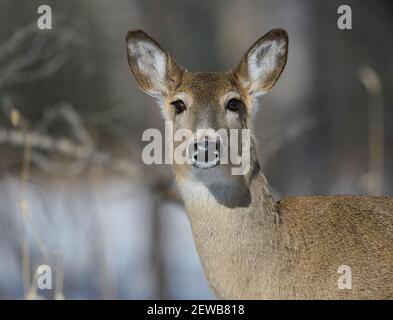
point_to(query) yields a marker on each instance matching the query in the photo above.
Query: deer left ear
(262, 65)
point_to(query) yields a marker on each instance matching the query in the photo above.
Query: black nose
(206, 152)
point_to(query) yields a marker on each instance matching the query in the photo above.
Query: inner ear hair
(263, 63)
(154, 69)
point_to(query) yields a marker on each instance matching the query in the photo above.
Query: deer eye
(234, 104)
(179, 106)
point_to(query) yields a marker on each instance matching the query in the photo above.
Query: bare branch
(88, 156)
(17, 39)
(44, 62)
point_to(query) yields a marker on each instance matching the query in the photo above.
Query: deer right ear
(262, 65)
(155, 71)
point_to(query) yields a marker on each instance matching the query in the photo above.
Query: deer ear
(155, 71)
(262, 65)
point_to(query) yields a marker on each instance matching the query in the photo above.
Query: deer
(251, 246)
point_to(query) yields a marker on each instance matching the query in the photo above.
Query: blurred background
(74, 193)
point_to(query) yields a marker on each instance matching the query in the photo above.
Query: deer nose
(205, 152)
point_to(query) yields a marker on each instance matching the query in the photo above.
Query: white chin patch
(208, 176)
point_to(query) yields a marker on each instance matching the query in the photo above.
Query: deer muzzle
(205, 152)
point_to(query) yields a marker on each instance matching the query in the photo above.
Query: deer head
(208, 104)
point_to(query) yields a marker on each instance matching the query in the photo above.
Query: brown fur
(293, 249)
(250, 246)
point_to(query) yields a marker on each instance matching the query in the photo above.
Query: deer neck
(234, 225)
